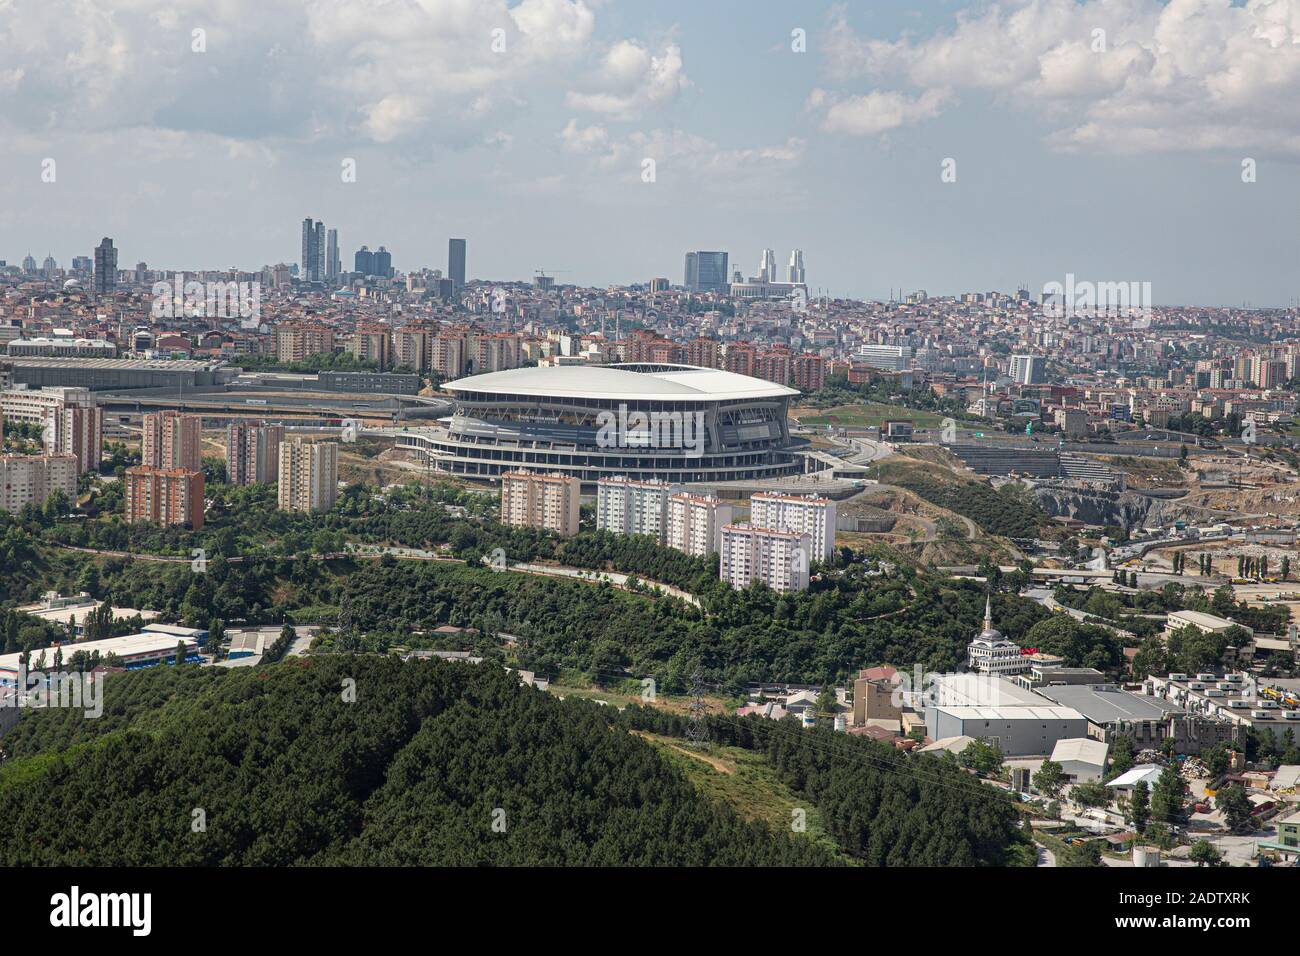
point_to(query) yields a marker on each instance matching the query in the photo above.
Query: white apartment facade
(629, 506)
(802, 514)
(30, 479)
(72, 420)
(695, 523)
(777, 558)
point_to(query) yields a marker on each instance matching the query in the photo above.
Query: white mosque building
(991, 653)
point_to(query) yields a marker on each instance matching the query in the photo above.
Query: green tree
(1167, 797)
(1236, 808)
(1050, 779)
(1203, 853)
(1139, 808)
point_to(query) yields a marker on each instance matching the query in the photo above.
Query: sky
(938, 145)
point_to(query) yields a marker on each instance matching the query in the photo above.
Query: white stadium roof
(666, 383)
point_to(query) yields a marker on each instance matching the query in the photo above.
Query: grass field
(748, 783)
(865, 415)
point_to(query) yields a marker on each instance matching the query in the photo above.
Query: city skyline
(1065, 160)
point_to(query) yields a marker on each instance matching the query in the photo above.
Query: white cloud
(1176, 75)
(632, 80)
(876, 112)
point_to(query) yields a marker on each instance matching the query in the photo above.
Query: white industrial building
(988, 707)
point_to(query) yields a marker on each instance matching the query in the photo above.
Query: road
(1044, 597)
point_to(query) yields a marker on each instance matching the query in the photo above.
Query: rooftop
(628, 382)
(1104, 703)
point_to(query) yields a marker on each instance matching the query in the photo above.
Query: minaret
(988, 612)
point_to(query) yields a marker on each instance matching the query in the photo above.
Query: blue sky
(1116, 163)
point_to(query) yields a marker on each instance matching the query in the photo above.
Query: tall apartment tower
(333, 264)
(628, 506)
(308, 475)
(172, 440)
(531, 500)
(695, 523)
(456, 262)
(777, 558)
(796, 271)
(253, 453)
(105, 266)
(74, 425)
(30, 479)
(166, 496)
(802, 514)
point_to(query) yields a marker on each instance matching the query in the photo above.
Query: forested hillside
(282, 770)
(441, 764)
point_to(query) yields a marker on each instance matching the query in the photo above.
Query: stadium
(679, 423)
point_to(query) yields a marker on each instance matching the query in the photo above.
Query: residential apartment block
(172, 440)
(628, 506)
(798, 513)
(777, 558)
(695, 522)
(166, 496)
(30, 479)
(308, 475)
(253, 453)
(533, 500)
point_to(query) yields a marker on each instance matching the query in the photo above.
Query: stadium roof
(656, 382)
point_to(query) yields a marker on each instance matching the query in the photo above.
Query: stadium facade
(678, 423)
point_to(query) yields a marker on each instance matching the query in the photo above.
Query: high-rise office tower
(319, 249)
(105, 266)
(313, 251)
(363, 263)
(456, 262)
(767, 266)
(309, 475)
(141, 273)
(333, 265)
(49, 267)
(796, 266)
(706, 271)
(383, 263)
(172, 440)
(29, 264)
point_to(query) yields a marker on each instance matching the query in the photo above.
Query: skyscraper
(333, 265)
(383, 263)
(796, 266)
(456, 262)
(313, 251)
(767, 266)
(706, 271)
(105, 266)
(363, 262)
